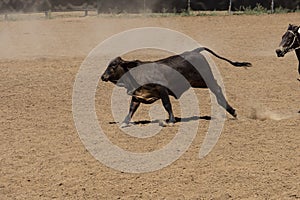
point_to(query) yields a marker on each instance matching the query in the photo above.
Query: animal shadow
(178, 119)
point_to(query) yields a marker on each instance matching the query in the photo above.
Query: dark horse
(290, 42)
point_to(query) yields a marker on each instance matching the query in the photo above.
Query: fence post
(189, 6)
(229, 8)
(272, 6)
(48, 14)
(98, 7)
(86, 8)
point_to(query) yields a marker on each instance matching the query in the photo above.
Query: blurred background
(140, 6)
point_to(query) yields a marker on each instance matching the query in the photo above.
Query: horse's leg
(298, 56)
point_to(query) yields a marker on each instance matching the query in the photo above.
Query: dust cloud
(260, 113)
(31, 38)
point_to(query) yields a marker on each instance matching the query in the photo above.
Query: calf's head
(290, 40)
(114, 71)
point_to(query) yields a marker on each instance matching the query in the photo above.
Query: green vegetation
(281, 10)
(257, 10)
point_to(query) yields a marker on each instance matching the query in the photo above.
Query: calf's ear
(131, 64)
(119, 59)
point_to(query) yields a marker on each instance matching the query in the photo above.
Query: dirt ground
(256, 157)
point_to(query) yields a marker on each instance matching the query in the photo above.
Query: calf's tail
(237, 64)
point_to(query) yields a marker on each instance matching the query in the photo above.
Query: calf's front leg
(134, 104)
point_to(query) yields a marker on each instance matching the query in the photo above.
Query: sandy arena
(256, 157)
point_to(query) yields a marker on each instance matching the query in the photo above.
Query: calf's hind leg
(167, 104)
(216, 89)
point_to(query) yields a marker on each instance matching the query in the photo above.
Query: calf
(157, 79)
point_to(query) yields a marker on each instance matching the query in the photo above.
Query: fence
(137, 6)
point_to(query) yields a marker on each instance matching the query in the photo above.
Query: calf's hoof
(234, 115)
(163, 123)
(124, 125)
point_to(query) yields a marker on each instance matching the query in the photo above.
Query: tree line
(134, 6)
